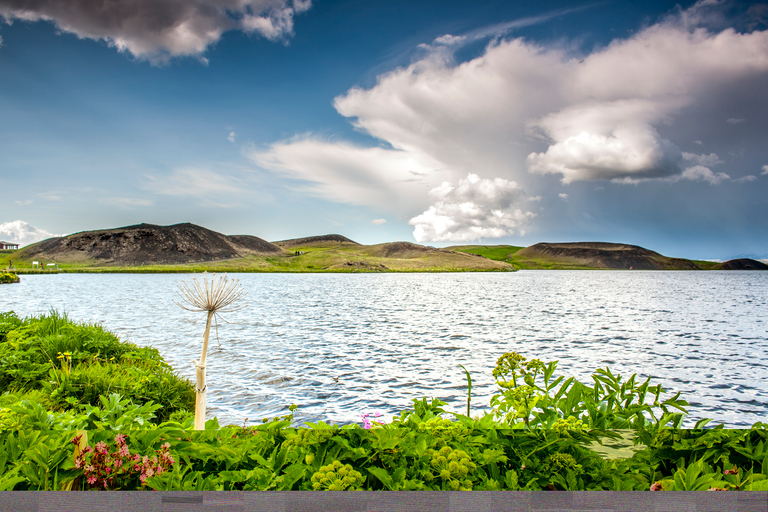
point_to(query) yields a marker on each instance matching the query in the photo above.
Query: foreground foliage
(66, 366)
(8, 277)
(544, 432)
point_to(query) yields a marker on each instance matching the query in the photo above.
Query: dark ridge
(401, 250)
(296, 242)
(605, 255)
(255, 244)
(741, 264)
(143, 244)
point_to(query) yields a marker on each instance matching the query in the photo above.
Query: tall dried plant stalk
(219, 295)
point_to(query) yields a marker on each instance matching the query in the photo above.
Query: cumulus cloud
(563, 196)
(701, 173)
(232, 136)
(449, 40)
(746, 179)
(472, 209)
(159, 29)
(521, 110)
(598, 115)
(23, 233)
(379, 222)
(765, 169)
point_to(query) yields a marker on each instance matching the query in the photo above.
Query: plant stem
(200, 387)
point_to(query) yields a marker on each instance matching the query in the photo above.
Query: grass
(67, 364)
(508, 254)
(336, 258)
(492, 252)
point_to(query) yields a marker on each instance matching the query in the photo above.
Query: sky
(440, 122)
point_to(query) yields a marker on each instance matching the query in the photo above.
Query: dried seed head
(218, 295)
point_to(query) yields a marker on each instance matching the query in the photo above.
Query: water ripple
(343, 344)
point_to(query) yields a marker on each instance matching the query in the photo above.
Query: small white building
(8, 246)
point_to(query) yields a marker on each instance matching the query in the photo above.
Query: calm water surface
(340, 345)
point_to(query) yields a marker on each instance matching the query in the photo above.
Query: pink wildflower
(91, 480)
(734, 471)
(656, 486)
(101, 447)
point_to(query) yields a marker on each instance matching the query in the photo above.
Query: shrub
(77, 363)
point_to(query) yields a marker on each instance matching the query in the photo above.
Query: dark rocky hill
(144, 244)
(315, 240)
(741, 264)
(603, 255)
(401, 250)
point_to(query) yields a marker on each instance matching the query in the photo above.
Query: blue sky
(440, 122)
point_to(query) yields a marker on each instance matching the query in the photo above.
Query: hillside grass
(317, 257)
(509, 254)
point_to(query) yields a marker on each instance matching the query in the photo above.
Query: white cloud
(23, 233)
(598, 115)
(474, 208)
(232, 136)
(24, 203)
(159, 29)
(125, 203)
(734, 120)
(201, 183)
(448, 40)
(701, 173)
(379, 222)
(521, 110)
(393, 181)
(563, 196)
(765, 169)
(746, 179)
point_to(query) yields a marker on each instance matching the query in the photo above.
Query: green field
(508, 254)
(323, 257)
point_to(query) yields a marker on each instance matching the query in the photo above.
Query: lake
(340, 345)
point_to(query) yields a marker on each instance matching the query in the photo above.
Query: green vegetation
(543, 432)
(8, 277)
(492, 252)
(70, 367)
(327, 257)
(508, 254)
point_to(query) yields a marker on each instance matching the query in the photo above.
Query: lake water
(340, 345)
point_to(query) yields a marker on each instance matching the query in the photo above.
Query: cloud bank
(522, 110)
(474, 208)
(159, 29)
(23, 233)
